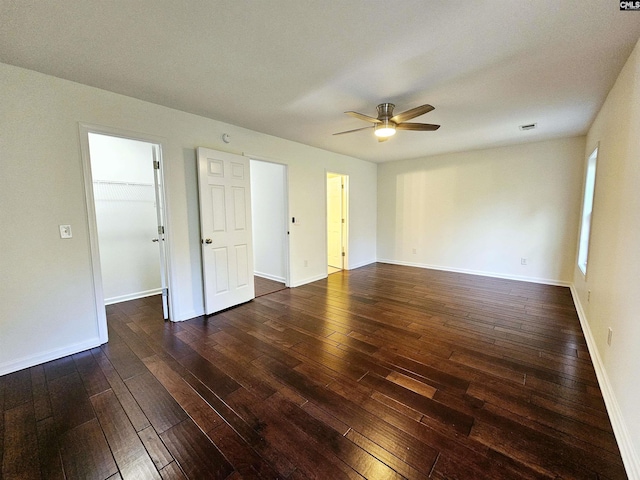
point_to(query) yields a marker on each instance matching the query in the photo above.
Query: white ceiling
(290, 68)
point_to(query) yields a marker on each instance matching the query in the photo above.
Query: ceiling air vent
(530, 126)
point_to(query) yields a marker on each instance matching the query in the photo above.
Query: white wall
(269, 221)
(47, 306)
(124, 194)
(484, 210)
(613, 272)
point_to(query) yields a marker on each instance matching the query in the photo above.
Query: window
(587, 209)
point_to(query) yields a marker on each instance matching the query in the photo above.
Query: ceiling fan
(387, 123)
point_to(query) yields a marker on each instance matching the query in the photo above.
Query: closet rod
(113, 182)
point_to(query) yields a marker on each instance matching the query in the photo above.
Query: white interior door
(159, 188)
(334, 221)
(225, 226)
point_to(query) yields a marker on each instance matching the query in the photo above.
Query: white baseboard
(520, 278)
(361, 264)
(30, 361)
(187, 315)
(299, 283)
(269, 277)
(132, 296)
(629, 455)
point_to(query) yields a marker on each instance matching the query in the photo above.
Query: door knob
(154, 239)
(208, 241)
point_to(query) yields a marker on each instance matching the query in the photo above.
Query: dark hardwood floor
(264, 286)
(384, 372)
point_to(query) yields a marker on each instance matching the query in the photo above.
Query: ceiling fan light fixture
(385, 129)
(386, 124)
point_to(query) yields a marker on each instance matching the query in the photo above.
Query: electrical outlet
(609, 335)
(65, 231)
(523, 261)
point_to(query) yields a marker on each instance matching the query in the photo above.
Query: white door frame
(345, 227)
(96, 269)
(287, 223)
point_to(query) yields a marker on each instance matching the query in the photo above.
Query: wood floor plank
(20, 458)
(59, 368)
(17, 388)
(122, 358)
(218, 381)
(188, 399)
(157, 404)
(131, 407)
(69, 402)
(350, 413)
(362, 461)
(172, 472)
(264, 286)
(92, 377)
(286, 439)
(247, 461)
(414, 385)
(195, 453)
(460, 421)
(48, 450)
(405, 470)
(131, 457)
(157, 450)
(86, 454)
(567, 445)
(40, 392)
(238, 371)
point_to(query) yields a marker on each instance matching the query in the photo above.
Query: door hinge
(165, 292)
(156, 164)
(160, 230)
(343, 220)
(343, 254)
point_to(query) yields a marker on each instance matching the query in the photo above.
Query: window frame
(586, 216)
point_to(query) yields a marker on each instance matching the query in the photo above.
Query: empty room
(303, 239)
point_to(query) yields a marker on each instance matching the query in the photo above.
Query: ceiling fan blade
(361, 116)
(350, 131)
(413, 113)
(422, 127)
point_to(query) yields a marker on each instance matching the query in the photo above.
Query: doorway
(337, 222)
(127, 216)
(269, 211)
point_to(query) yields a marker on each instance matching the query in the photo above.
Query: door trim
(287, 237)
(84, 129)
(346, 213)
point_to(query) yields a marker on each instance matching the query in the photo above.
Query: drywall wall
(47, 306)
(269, 219)
(613, 269)
(483, 211)
(125, 203)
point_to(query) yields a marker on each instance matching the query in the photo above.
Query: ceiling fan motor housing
(385, 110)
(386, 128)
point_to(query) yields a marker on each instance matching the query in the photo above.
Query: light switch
(65, 231)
